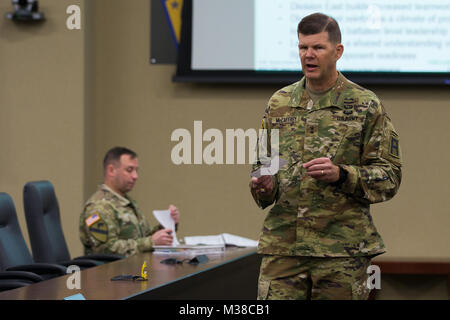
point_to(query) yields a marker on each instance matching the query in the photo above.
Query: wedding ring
(322, 172)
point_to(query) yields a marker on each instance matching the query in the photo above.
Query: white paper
(164, 218)
(224, 238)
(239, 241)
(209, 240)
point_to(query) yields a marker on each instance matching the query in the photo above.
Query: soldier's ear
(339, 51)
(110, 170)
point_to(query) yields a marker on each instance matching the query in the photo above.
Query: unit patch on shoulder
(394, 147)
(99, 231)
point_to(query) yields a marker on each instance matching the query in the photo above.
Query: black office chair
(17, 267)
(12, 284)
(44, 227)
(15, 279)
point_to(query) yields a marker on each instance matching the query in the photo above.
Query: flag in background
(173, 13)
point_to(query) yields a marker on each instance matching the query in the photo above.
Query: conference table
(232, 274)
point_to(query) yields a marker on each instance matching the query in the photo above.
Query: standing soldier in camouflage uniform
(111, 221)
(343, 154)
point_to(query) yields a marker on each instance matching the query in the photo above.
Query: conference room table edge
(96, 282)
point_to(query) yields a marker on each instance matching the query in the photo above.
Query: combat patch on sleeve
(394, 146)
(99, 230)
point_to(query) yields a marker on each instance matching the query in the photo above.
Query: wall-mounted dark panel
(163, 48)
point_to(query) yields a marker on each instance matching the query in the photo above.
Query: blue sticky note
(77, 296)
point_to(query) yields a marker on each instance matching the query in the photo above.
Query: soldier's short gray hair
(319, 22)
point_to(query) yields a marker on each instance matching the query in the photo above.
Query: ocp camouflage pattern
(120, 228)
(314, 218)
(306, 278)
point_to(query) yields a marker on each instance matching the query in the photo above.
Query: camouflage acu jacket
(314, 218)
(111, 223)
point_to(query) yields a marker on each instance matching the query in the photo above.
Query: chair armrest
(102, 257)
(46, 270)
(82, 263)
(23, 276)
(12, 284)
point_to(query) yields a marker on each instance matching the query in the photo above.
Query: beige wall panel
(42, 110)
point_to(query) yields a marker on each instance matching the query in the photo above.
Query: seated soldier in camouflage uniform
(111, 221)
(343, 154)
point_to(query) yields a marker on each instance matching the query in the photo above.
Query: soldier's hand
(174, 213)
(263, 184)
(322, 169)
(163, 237)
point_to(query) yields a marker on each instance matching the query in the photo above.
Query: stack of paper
(221, 239)
(189, 249)
(164, 218)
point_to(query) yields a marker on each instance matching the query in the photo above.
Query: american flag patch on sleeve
(92, 219)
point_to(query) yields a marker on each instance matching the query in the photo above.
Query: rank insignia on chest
(348, 112)
(350, 100)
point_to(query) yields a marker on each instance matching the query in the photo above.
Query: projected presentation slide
(378, 36)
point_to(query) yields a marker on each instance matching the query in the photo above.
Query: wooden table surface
(96, 283)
